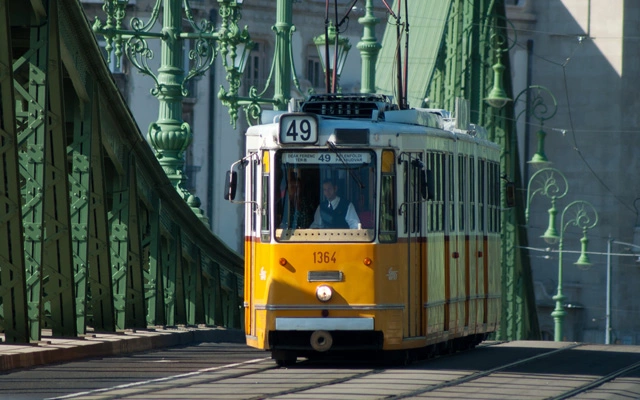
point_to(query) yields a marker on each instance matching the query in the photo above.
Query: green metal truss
(94, 236)
(13, 293)
(98, 295)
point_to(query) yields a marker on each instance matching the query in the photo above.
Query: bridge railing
(92, 233)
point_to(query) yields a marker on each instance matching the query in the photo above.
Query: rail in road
(495, 370)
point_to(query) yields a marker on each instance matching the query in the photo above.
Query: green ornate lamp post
(537, 108)
(282, 71)
(583, 215)
(369, 49)
(552, 183)
(170, 135)
(498, 97)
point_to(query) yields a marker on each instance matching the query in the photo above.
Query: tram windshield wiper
(355, 177)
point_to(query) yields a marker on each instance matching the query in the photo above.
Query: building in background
(585, 52)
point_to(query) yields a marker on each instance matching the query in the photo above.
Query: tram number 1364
(324, 257)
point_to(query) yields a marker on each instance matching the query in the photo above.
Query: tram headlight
(324, 293)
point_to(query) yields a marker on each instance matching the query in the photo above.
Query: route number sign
(298, 129)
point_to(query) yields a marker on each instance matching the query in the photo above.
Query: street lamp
(369, 49)
(552, 184)
(170, 135)
(333, 50)
(583, 215)
(536, 107)
(498, 97)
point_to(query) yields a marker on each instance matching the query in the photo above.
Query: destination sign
(326, 158)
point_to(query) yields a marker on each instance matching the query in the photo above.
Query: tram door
(252, 231)
(413, 214)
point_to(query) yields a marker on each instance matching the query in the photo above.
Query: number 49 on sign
(298, 129)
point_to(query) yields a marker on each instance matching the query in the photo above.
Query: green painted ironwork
(136, 316)
(58, 294)
(31, 138)
(101, 311)
(13, 293)
(118, 217)
(79, 152)
(190, 281)
(83, 242)
(369, 49)
(154, 291)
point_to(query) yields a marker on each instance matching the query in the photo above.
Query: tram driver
(334, 213)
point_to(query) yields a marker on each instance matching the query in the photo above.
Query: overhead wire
(565, 79)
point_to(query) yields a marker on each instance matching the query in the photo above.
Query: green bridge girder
(92, 233)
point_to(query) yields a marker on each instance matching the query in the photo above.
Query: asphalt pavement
(61, 349)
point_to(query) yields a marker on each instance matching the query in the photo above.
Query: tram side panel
(436, 291)
(391, 294)
(494, 226)
(437, 265)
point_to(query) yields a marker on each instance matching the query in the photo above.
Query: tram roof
(391, 124)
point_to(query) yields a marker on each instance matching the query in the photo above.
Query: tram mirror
(510, 192)
(230, 184)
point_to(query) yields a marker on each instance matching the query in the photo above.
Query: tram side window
(412, 173)
(496, 189)
(387, 223)
(435, 166)
(462, 179)
(472, 194)
(264, 211)
(482, 200)
(451, 196)
(255, 174)
(264, 201)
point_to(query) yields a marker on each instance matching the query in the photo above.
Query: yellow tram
(368, 228)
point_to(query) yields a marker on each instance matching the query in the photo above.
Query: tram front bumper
(324, 334)
(325, 324)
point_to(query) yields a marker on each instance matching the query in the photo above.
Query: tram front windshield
(325, 195)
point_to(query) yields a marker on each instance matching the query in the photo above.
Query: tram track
(506, 370)
(597, 383)
(199, 377)
(318, 385)
(482, 374)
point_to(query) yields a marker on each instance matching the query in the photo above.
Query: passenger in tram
(334, 213)
(297, 211)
